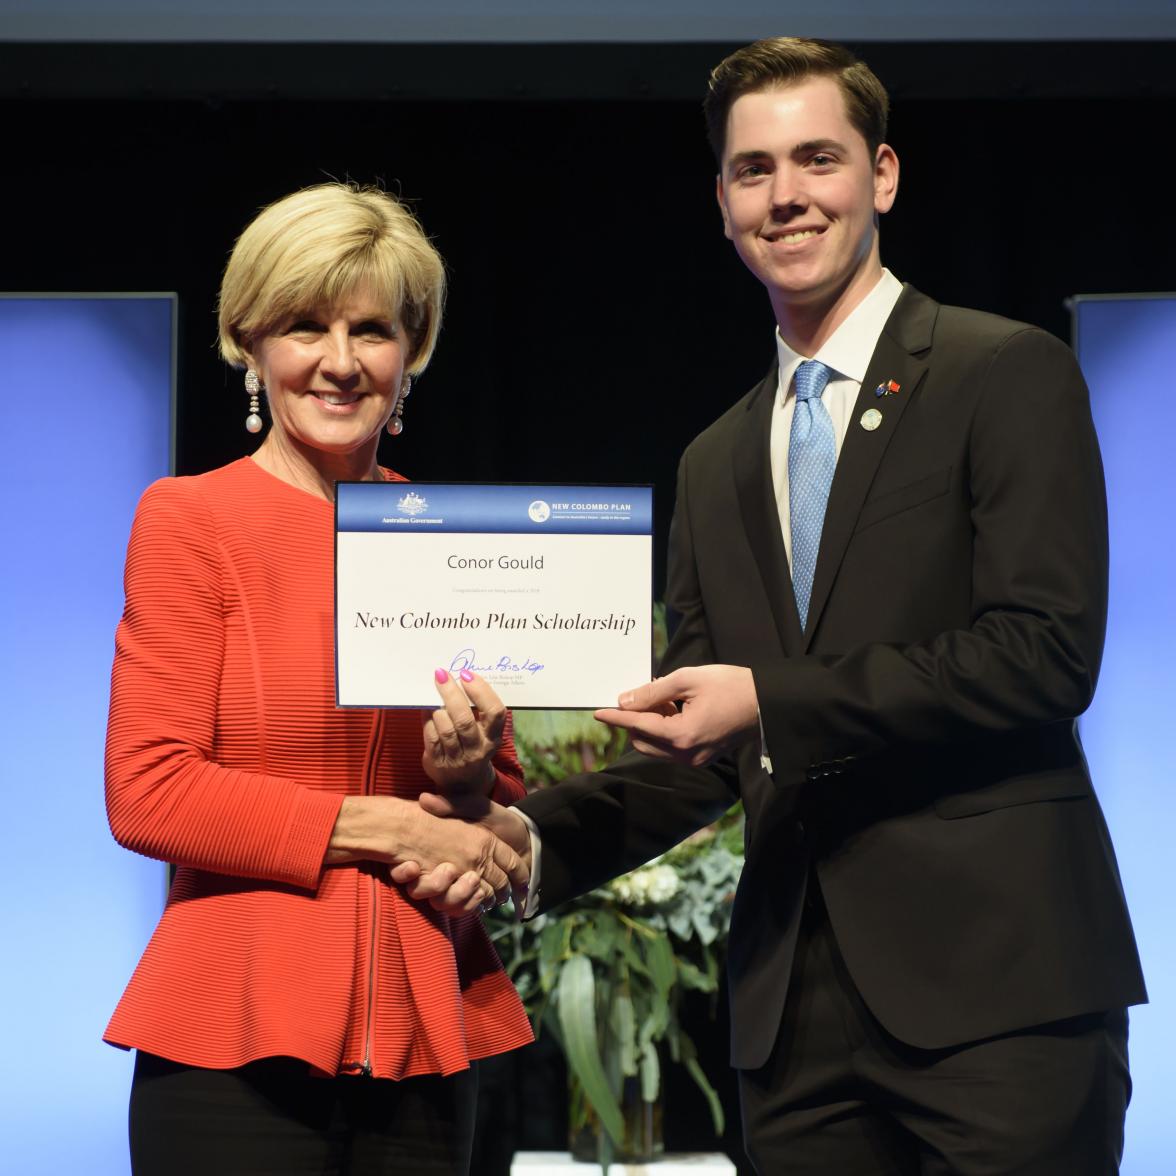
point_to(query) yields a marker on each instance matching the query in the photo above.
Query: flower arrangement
(606, 973)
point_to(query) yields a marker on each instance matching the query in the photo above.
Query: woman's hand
(462, 736)
(400, 832)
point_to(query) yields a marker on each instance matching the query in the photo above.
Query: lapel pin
(871, 419)
(888, 388)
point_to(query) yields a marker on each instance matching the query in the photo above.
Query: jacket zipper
(369, 788)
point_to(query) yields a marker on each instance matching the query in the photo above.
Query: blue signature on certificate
(467, 660)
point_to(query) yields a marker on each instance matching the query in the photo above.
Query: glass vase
(641, 1140)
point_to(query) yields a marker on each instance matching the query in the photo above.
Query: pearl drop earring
(395, 424)
(253, 387)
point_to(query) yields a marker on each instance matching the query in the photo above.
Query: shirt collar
(848, 350)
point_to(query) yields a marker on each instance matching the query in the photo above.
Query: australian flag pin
(888, 388)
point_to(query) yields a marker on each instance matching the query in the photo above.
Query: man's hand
(691, 715)
(445, 886)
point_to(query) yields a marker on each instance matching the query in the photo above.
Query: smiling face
(799, 194)
(332, 377)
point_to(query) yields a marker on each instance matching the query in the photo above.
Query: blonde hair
(317, 247)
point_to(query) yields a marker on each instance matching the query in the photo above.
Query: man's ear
(720, 195)
(885, 178)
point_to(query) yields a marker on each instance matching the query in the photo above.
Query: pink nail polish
(441, 676)
(466, 676)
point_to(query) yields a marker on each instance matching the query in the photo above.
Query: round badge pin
(871, 419)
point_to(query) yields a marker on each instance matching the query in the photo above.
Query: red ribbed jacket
(226, 755)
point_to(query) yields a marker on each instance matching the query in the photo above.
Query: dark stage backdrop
(598, 319)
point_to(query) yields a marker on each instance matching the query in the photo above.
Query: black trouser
(272, 1118)
(840, 1095)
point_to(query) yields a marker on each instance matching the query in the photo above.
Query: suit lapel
(907, 331)
(757, 503)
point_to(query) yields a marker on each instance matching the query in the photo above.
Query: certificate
(545, 591)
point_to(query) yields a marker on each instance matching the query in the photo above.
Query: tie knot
(810, 379)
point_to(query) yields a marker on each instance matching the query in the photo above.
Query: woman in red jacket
(295, 1010)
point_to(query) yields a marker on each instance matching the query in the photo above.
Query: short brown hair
(320, 245)
(784, 61)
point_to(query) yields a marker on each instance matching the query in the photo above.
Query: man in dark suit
(888, 565)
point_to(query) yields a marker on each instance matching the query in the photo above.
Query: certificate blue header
(417, 507)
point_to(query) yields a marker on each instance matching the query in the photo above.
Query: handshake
(489, 856)
(459, 850)
(690, 716)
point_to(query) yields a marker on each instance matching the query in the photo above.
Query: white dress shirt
(847, 354)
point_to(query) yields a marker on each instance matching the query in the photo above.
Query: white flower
(649, 886)
(662, 884)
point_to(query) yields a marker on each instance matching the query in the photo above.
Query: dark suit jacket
(922, 732)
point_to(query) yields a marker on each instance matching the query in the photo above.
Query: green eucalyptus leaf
(553, 947)
(690, 1061)
(599, 936)
(650, 1072)
(673, 1038)
(631, 956)
(649, 1027)
(695, 978)
(624, 1029)
(662, 967)
(681, 919)
(712, 969)
(576, 995)
(659, 1019)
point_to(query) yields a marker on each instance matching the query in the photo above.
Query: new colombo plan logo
(412, 504)
(539, 511)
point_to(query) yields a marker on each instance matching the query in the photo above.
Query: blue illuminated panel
(88, 424)
(1127, 348)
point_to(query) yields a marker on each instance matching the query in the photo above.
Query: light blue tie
(812, 457)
